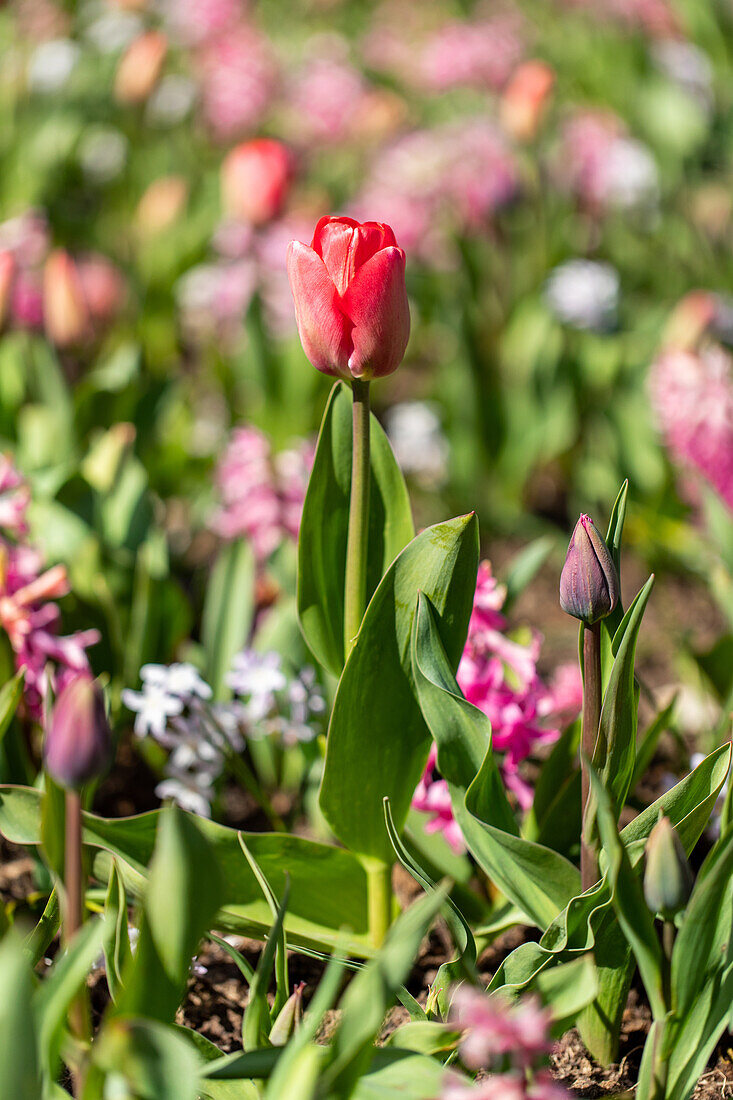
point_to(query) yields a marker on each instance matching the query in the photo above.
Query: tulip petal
(376, 304)
(324, 329)
(344, 246)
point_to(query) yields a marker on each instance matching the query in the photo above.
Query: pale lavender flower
(153, 707)
(182, 680)
(256, 678)
(418, 442)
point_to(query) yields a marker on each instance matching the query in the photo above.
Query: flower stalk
(592, 698)
(79, 1019)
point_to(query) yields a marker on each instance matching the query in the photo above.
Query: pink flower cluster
(24, 245)
(261, 494)
(497, 1032)
(28, 614)
(499, 676)
(238, 79)
(326, 98)
(692, 397)
(431, 181)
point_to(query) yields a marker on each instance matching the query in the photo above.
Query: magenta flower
(29, 614)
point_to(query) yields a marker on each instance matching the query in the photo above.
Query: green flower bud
(667, 879)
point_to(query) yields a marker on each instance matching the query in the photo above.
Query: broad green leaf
(615, 751)
(567, 989)
(371, 993)
(401, 1075)
(324, 526)
(327, 884)
(184, 892)
(20, 1075)
(10, 696)
(629, 905)
(424, 1037)
(588, 923)
(378, 740)
(228, 611)
(537, 879)
(117, 951)
(60, 987)
(155, 1061)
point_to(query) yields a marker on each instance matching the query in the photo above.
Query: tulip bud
(350, 298)
(140, 67)
(7, 274)
(288, 1018)
(589, 582)
(524, 99)
(65, 311)
(668, 879)
(254, 180)
(79, 741)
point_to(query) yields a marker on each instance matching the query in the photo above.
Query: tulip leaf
(228, 611)
(18, 1034)
(325, 521)
(629, 905)
(117, 952)
(537, 879)
(156, 1062)
(327, 884)
(378, 740)
(182, 868)
(588, 922)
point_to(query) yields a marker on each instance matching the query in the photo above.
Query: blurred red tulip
(65, 312)
(524, 99)
(350, 298)
(255, 178)
(140, 67)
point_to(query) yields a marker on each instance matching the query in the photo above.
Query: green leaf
(117, 953)
(257, 1021)
(613, 542)
(61, 985)
(588, 923)
(401, 1075)
(628, 901)
(228, 611)
(567, 989)
(537, 879)
(327, 884)
(378, 741)
(615, 751)
(38, 941)
(277, 910)
(184, 891)
(648, 742)
(554, 818)
(10, 697)
(155, 1061)
(371, 992)
(324, 526)
(20, 1074)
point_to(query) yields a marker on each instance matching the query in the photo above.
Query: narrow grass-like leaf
(282, 991)
(228, 611)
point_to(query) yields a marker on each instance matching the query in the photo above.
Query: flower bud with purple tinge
(668, 879)
(79, 741)
(589, 581)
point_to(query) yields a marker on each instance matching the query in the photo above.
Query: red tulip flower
(255, 178)
(350, 298)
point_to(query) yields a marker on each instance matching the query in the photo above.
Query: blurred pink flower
(604, 167)
(261, 495)
(692, 397)
(430, 184)
(499, 676)
(28, 614)
(26, 301)
(238, 78)
(103, 286)
(495, 1027)
(503, 1086)
(325, 99)
(193, 22)
(478, 55)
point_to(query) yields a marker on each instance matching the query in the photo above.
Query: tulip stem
(592, 697)
(79, 1020)
(379, 899)
(355, 587)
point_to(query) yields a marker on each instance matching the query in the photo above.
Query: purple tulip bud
(78, 741)
(589, 582)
